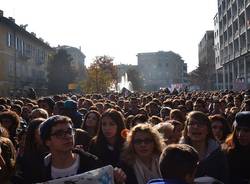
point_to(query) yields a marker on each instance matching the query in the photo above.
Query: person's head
(142, 141)
(11, 121)
(197, 127)
(240, 137)
(100, 107)
(46, 103)
(8, 158)
(139, 118)
(176, 114)
(111, 126)
(199, 105)
(58, 108)
(70, 106)
(178, 128)
(237, 101)
(220, 127)
(179, 161)
(33, 141)
(57, 133)
(133, 103)
(87, 103)
(91, 121)
(167, 132)
(17, 108)
(154, 120)
(153, 108)
(38, 113)
(164, 113)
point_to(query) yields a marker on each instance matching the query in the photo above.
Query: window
(10, 40)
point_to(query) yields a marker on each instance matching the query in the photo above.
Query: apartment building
(161, 69)
(207, 59)
(78, 60)
(23, 59)
(234, 44)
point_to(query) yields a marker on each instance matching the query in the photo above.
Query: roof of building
(11, 23)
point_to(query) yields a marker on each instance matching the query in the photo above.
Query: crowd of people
(155, 137)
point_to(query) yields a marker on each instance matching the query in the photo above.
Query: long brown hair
(199, 116)
(118, 118)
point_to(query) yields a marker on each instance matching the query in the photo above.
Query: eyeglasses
(145, 141)
(62, 133)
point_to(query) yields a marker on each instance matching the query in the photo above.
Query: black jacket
(87, 162)
(106, 155)
(239, 165)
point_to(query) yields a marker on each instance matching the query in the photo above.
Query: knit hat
(242, 119)
(70, 104)
(46, 126)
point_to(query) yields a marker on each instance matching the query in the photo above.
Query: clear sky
(118, 28)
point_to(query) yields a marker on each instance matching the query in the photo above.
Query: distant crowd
(156, 137)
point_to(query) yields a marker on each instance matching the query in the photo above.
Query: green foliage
(101, 75)
(60, 72)
(135, 78)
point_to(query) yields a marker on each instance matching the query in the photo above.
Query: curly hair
(15, 121)
(128, 154)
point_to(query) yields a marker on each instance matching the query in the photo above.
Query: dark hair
(98, 116)
(30, 143)
(15, 121)
(177, 161)
(46, 127)
(199, 116)
(220, 118)
(118, 118)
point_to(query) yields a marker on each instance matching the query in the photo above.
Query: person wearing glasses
(57, 134)
(140, 157)
(198, 134)
(237, 149)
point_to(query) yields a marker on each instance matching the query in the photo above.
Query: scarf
(143, 173)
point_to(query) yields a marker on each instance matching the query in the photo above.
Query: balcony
(230, 39)
(230, 21)
(236, 34)
(247, 3)
(231, 57)
(225, 59)
(242, 29)
(241, 9)
(226, 43)
(234, 16)
(237, 54)
(243, 50)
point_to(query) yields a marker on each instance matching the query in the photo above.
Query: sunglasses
(145, 141)
(62, 133)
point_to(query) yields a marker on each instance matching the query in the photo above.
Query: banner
(103, 175)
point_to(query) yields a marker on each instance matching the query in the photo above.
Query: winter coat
(239, 165)
(214, 164)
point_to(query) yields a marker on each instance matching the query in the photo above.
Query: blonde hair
(128, 154)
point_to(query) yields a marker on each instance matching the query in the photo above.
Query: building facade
(78, 60)
(161, 69)
(234, 44)
(206, 60)
(23, 59)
